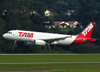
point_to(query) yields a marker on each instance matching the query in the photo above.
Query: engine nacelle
(36, 42)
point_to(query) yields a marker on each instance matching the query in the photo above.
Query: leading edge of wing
(55, 39)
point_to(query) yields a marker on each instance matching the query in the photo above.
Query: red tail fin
(87, 32)
(85, 35)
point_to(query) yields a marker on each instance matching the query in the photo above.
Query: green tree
(61, 6)
(85, 7)
(84, 48)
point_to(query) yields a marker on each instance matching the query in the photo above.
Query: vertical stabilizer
(85, 35)
(87, 32)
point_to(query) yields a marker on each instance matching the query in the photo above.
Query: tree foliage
(18, 14)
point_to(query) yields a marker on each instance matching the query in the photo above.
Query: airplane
(42, 38)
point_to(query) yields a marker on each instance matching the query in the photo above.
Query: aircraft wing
(56, 39)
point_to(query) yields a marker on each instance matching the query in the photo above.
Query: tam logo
(87, 30)
(26, 34)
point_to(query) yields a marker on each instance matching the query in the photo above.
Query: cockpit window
(10, 32)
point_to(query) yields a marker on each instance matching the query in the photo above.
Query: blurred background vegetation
(15, 14)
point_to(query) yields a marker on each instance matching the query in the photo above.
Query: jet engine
(36, 42)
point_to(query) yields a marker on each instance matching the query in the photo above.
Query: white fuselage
(30, 36)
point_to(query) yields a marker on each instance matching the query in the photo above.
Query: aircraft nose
(4, 35)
